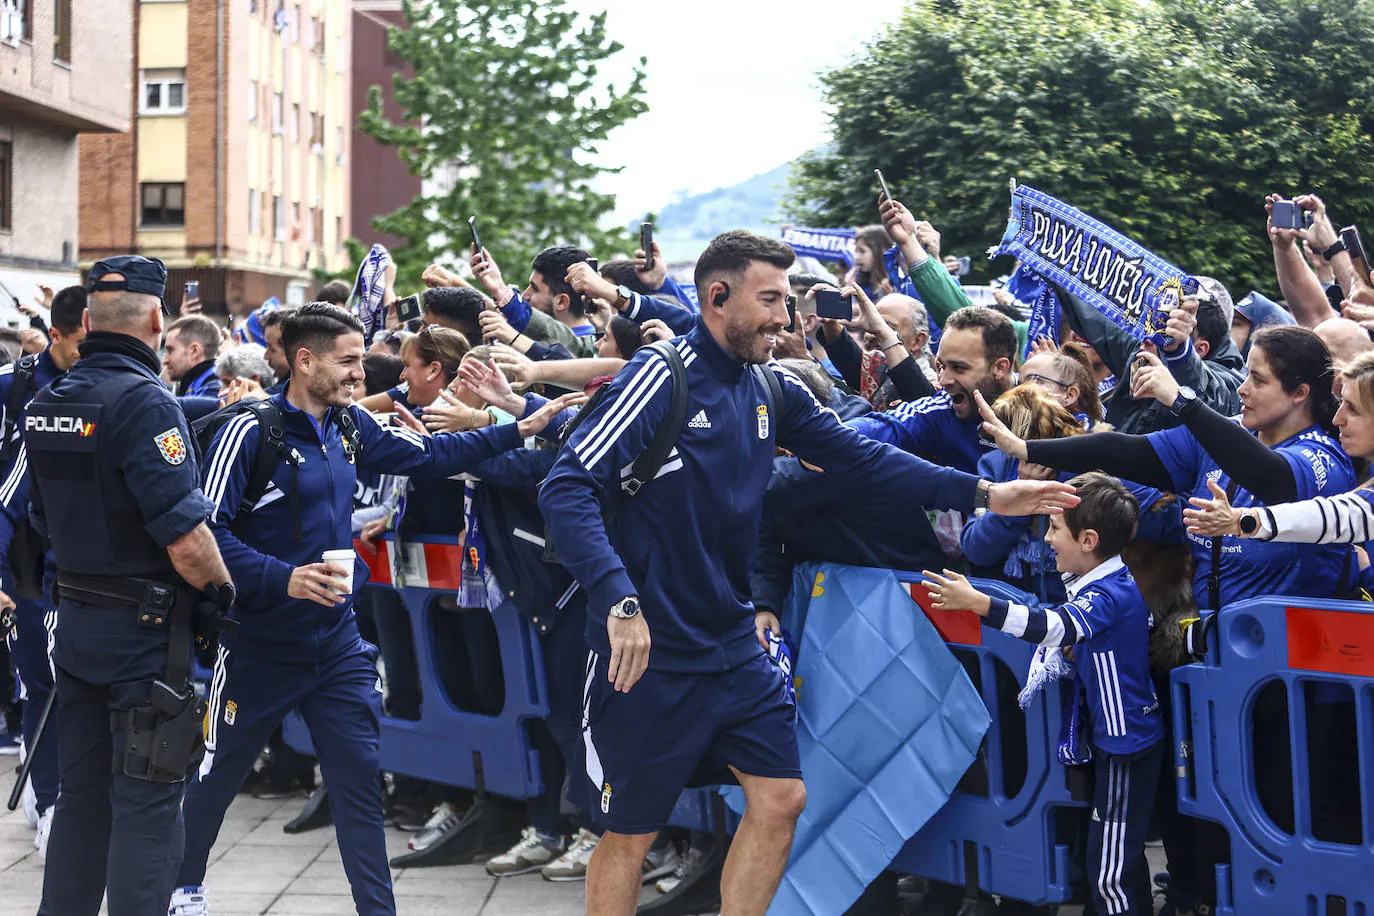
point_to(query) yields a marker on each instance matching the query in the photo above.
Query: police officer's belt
(119, 591)
(156, 603)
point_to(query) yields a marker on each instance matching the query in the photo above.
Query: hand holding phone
(408, 308)
(1351, 237)
(791, 326)
(1286, 214)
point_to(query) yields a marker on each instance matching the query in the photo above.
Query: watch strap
(1336, 248)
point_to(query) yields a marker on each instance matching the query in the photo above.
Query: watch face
(630, 607)
(625, 292)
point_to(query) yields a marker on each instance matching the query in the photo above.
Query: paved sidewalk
(255, 868)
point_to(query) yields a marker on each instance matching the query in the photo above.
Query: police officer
(116, 489)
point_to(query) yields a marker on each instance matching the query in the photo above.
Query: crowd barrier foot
(699, 891)
(490, 827)
(314, 815)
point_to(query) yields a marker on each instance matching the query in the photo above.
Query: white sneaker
(685, 866)
(572, 865)
(189, 901)
(442, 818)
(530, 854)
(660, 862)
(40, 839)
(30, 804)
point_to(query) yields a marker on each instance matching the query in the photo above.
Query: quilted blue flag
(888, 724)
(1122, 279)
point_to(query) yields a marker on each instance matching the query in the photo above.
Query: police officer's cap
(141, 275)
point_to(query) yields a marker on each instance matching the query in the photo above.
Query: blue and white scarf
(479, 587)
(1090, 260)
(368, 290)
(821, 244)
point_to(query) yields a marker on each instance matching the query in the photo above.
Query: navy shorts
(677, 730)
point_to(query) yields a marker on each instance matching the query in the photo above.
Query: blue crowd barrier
(447, 744)
(1004, 840)
(1319, 651)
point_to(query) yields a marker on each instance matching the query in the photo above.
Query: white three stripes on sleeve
(222, 463)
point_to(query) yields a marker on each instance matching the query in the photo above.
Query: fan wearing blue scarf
(1108, 625)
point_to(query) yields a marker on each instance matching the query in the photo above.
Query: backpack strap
(272, 452)
(772, 385)
(348, 430)
(20, 390)
(652, 459)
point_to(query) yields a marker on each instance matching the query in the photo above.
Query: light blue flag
(889, 722)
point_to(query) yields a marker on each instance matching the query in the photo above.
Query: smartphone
(192, 290)
(1286, 214)
(830, 304)
(476, 239)
(791, 326)
(965, 265)
(1351, 236)
(883, 184)
(646, 242)
(408, 309)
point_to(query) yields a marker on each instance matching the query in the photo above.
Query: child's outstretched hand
(953, 592)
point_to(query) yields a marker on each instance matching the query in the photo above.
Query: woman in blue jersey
(1344, 519)
(1282, 449)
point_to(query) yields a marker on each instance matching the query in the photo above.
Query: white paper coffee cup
(343, 559)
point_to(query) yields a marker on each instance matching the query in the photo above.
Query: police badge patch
(171, 445)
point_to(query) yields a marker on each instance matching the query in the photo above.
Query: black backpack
(27, 548)
(272, 450)
(652, 459)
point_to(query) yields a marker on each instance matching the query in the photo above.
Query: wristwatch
(1249, 524)
(1186, 398)
(982, 496)
(1336, 248)
(626, 608)
(626, 296)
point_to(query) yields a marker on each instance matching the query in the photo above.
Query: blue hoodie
(686, 542)
(260, 548)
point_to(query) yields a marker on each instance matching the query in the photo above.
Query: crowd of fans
(1253, 402)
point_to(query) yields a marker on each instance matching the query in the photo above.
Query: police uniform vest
(93, 518)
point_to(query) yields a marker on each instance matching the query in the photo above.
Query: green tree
(1169, 120)
(506, 98)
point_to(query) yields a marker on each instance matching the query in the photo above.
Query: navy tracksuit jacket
(693, 574)
(292, 653)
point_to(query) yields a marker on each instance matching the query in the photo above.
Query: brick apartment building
(235, 172)
(380, 181)
(64, 69)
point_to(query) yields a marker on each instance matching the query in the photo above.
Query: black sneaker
(273, 784)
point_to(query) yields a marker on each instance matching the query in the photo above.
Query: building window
(339, 144)
(295, 220)
(338, 233)
(164, 92)
(6, 183)
(62, 30)
(252, 101)
(316, 226)
(278, 218)
(295, 123)
(254, 212)
(16, 20)
(277, 115)
(163, 205)
(296, 25)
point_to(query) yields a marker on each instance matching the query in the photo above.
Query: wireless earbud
(720, 298)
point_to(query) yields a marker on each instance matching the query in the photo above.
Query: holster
(164, 737)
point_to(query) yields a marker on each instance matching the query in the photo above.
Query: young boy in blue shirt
(1107, 623)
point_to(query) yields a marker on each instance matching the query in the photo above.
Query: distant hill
(685, 226)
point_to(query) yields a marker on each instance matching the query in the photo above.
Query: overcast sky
(731, 88)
